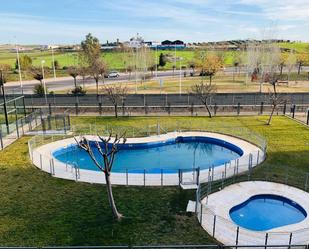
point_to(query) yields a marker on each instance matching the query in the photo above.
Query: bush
(39, 90)
(78, 91)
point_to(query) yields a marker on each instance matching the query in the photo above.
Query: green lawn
(37, 209)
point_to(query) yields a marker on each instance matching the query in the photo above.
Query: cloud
(189, 20)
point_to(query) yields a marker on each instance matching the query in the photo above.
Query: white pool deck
(221, 202)
(43, 159)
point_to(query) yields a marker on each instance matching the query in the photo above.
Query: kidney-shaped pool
(170, 155)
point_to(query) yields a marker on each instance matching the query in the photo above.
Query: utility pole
(2, 81)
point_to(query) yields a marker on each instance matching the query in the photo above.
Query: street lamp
(19, 70)
(2, 82)
(43, 78)
(53, 59)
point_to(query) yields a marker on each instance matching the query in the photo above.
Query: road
(66, 83)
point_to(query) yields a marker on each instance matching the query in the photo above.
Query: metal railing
(174, 246)
(140, 176)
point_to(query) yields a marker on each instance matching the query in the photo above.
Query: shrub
(78, 91)
(39, 90)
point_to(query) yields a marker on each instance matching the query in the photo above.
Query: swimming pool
(169, 155)
(264, 212)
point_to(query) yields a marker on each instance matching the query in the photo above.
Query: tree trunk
(299, 68)
(281, 69)
(271, 115)
(207, 108)
(210, 79)
(75, 82)
(97, 86)
(116, 111)
(111, 200)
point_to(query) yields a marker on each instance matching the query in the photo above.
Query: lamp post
(43, 78)
(53, 59)
(157, 62)
(2, 82)
(19, 70)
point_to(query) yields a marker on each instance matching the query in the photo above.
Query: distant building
(111, 45)
(136, 42)
(167, 44)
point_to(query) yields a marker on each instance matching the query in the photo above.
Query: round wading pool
(264, 212)
(169, 156)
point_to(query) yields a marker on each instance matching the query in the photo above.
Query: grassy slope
(37, 209)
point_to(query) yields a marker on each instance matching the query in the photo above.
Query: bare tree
(107, 150)
(115, 93)
(204, 92)
(274, 97)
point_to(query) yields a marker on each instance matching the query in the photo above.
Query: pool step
(191, 206)
(188, 186)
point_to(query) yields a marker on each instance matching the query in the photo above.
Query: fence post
(214, 226)
(161, 177)
(237, 235)
(238, 108)
(284, 108)
(215, 109)
(123, 108)
(266, 240)
(306, 183)
(100, 108)
(198, 176)
(293, 113)
(41, 161)
(201, 216)
(144, 177)
(307, 116)
(192, 109)
(76, 109)
(17, 129)
(258, 157)
(179, 177)
(127, 177)
(290, 240)
(1, 141)
(146, 109)
(49, 109)
(262, 107)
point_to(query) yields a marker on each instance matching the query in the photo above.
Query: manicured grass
(37, 209)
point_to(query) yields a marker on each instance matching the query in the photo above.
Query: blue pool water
(169, 156)
(264, 212)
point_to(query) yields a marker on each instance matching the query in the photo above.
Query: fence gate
(189, 177)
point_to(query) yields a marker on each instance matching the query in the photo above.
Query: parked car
(113, 74)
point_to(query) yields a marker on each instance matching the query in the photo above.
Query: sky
(68, 21)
